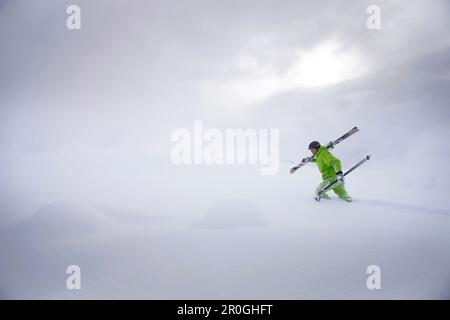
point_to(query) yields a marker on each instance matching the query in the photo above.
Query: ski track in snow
(403, 207)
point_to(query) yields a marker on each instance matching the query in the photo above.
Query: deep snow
(226, 232)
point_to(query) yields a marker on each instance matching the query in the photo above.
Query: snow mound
(66, 219)
(232, 213)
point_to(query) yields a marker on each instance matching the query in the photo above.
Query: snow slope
(229, 234)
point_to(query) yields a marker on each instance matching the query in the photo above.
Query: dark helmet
(314, 145)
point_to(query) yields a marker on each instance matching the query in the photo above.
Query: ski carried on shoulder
(329, 146)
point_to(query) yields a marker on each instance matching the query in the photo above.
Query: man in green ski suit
(330, 168)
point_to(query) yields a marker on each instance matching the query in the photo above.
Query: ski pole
(346, 173)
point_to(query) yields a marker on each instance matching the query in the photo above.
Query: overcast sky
(139, 69)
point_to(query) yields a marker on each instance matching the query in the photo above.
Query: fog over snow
(87, 179)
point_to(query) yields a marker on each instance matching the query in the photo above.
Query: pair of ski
(330, 146)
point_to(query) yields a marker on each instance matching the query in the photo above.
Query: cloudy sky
(135, 71)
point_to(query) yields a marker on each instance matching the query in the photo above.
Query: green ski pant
(338, 188)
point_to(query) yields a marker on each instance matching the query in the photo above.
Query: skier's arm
(333, 162)
(309, 159)
(336, 164)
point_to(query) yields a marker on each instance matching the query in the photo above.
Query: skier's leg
(323, 195)
(342, 193)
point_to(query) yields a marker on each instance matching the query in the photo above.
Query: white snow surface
(160, 231)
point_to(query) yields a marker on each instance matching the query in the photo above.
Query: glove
(340, 176)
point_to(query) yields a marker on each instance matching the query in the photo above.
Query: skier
(330, 168)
